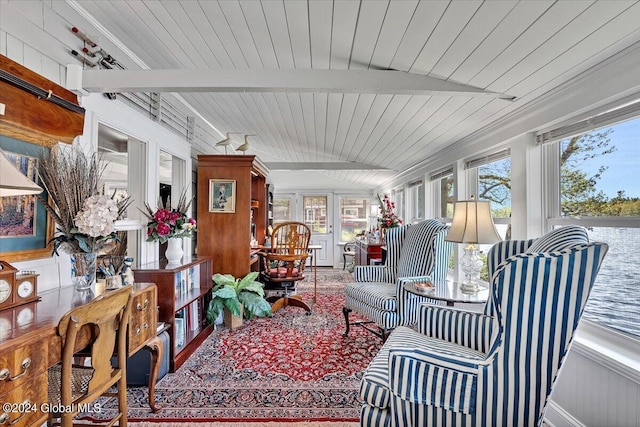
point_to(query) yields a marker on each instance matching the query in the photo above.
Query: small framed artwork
(222, 195)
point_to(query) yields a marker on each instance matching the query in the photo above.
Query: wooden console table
(29, 345)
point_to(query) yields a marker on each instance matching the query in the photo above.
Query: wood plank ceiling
(521, 48)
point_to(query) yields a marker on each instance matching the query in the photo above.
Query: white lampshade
(12, 182)
(472, 223)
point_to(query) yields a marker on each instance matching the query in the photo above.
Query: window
(281, 210)
(315, 213)
(593, 184)
(444, 189)
(354, 219)
(415, 201)
(492, 178)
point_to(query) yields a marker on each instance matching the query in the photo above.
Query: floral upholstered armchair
(497, 367)
(414, 252)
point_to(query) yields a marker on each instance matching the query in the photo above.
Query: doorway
(317, 213)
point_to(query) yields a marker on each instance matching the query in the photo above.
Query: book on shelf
(194, 316)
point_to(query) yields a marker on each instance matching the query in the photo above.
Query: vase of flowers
(85, 220)
(387, 218)
(171, 225)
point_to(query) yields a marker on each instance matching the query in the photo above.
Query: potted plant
(238, 296)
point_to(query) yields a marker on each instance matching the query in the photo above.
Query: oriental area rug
(289, 369)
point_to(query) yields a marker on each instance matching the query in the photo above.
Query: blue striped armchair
(413, 252)
(493, 368)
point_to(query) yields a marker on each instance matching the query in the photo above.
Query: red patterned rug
(291, 367)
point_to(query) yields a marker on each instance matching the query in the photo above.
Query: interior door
(317, 213)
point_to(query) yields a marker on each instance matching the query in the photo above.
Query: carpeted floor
(284, 369)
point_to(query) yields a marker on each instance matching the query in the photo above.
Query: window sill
(607, 347)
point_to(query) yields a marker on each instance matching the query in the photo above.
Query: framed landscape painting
(25, 226)
(222, 195)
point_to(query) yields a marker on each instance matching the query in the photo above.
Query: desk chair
(105, 319)
(284, 263)
(348, 252)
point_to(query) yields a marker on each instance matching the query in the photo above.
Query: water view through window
(599, 189)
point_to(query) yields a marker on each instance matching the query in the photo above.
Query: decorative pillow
(559, 239)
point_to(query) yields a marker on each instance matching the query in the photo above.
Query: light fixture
(244, 147)
(472, 224)
(13, 182)
(226, 141)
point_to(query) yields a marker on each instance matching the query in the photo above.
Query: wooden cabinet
(184, 293)
(226, 236)
(366, 251)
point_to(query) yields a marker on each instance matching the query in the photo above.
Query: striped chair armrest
(372, 273)
(470, 329)
(443, 380)
(408, 303)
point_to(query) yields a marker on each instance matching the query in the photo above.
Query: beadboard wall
(36, 35)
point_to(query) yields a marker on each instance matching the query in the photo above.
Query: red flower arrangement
(387, 218)
(167, 223)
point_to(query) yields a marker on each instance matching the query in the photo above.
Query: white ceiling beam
(336, 166)
(270, 80)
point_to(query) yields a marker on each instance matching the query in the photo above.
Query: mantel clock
(16, 288)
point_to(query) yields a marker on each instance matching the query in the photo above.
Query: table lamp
(472, 224)
(14, 183)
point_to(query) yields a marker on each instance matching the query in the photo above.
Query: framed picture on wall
(222, 195)
(25, 226)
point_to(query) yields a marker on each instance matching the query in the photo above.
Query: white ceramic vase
(174, 251)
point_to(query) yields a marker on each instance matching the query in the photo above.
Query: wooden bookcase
(184, 293)
(226, 237)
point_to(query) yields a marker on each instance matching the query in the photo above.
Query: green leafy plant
(231, 292)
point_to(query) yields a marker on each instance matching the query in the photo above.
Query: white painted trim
(611, 349)
(556, 416)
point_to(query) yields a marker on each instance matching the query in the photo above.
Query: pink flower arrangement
(387, 218)
(166, 223)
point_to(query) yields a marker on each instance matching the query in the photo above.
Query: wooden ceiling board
(334, 111)
(487, 17)
(424, 20)
(178, 27)
(358, 147)
(580, 56)
(411, 131)
(363, 106)
(548, 53)
(545, 26)
(276, 18)
(279, 102)
(280, 124)
(320, 28)
(370, 18)
(298, 24)
(453, 21)
(347, 110)
(412, 112)
(309, 117)
(214, 52)
(345, 16)
(257, 25)
(320, 105)
(218, 21)
(235, 18)
(299, 123)
(192, 23)
(166, 42)
(397, 18)
(521, 17)
(394, 112)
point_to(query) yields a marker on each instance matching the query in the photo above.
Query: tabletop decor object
(387, 217)
(85, 219)
(472, 224)
(170, 225)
